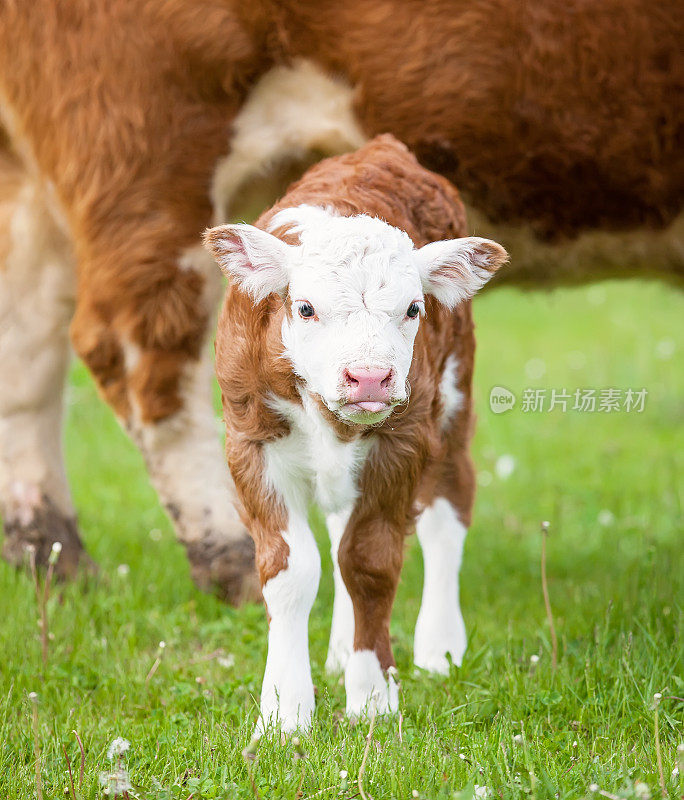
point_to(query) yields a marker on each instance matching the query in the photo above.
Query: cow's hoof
(37, 529)
(226, 567)
(368, 690)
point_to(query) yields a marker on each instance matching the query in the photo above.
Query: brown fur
(560, 115)
(410, 455)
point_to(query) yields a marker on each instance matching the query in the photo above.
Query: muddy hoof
(225, 567)
(46, 525)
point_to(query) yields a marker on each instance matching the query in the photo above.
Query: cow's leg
(144, 335)
(370, 556)
(290, 567)
(440, 628)
(37, 280)
(342, 628)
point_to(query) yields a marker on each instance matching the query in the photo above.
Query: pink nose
(367, 384)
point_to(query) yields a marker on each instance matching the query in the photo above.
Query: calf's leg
(441, 530)
(36, 302)
(370, 557)
(440, 628)
(342, 628)
(290, 568)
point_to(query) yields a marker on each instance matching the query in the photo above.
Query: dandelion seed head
(415, 793)
(642, 791)
(162, 644)
(123, 570)
(606, 517)
(33, 697)
(484, 478)
(535, 369)
(226, 661)
(504, 467)
(657, 697)
(117, 748)
(343, 774)
(56, 547)
(534, 659)
(593, 788)
(518, 738)
(481, 791)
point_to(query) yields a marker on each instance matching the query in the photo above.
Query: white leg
(287, 695)
(342, 629)
(440, 628)
(37, 284)
(187, 467)
(367, 688)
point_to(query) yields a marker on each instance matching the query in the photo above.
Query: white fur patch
(291, 112)
(452, 399)
(440, 628)
(287, 695)
(37, 288)
(183, 453)
(358, 275)
(342, 628)
(185, 459)
(311, 464)
(367, 688)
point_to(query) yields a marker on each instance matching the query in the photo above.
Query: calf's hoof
(368, 690)
(39, 527)
(226, 567)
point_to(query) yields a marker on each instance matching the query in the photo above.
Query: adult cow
(129, 126)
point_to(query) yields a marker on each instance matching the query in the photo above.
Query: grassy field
(610, 483)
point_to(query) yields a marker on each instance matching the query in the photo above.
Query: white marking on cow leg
(342, 628)
(440, 628)
(292, 111)
(188, 468)
(366, 686)
(184, 458)
(452, 399)
(37, 285)
(287, 695)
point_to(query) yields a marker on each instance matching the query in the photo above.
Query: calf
(336, 392)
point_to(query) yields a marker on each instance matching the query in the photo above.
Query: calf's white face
(356, 288)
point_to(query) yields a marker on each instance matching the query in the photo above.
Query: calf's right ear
(253, 258)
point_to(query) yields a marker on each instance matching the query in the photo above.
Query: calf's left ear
(253, 258)
(454, 269)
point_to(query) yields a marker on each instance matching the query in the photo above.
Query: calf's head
(354, 290)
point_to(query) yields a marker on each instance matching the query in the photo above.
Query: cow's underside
(131, 127)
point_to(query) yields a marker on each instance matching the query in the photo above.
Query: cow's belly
(593, 255)
(297, 115)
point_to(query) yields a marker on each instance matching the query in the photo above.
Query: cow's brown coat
(566, 115)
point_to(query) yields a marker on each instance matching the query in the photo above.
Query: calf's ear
(454, 269)
(253, 258)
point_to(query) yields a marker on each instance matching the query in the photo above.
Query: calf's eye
(413, 310)
(306, 311)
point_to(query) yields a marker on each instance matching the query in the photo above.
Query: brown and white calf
(345, 355)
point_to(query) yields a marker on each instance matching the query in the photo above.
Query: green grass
(609, 483)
